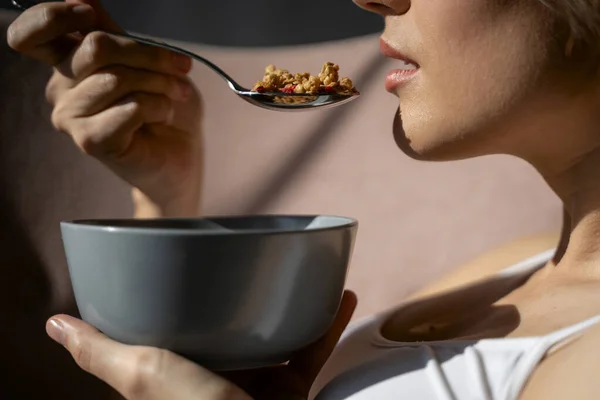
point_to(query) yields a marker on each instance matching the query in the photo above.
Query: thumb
(137, 372)
(103, 19)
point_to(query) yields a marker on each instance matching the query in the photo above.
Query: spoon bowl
(295, 102)
(277, 101)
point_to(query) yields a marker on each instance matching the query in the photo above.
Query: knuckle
(83, 134)
(148, 365)
(97, 46)
(50, 92)
(160, 106)
(82, 352)
(88, 145)
(55, 119)
(52, 89)
(86, 140)
(49, 96)
(112, 80)
(58, 120)
(134, 108)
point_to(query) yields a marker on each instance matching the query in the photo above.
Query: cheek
(470, 78)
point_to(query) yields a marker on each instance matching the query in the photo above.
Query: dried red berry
(288, 90)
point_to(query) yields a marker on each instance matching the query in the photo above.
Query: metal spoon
(271, 101)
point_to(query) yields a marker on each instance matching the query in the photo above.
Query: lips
(407, 68)
(388, 51)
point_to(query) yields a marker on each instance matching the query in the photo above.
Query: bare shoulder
(572, 372)
(491, 262)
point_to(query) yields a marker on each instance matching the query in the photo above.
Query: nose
(385, 7)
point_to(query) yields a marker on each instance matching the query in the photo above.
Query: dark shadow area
(33, 366)
(448, 313)
(25, 295)
(284, 175)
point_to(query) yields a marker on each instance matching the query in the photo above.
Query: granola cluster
(281, 80)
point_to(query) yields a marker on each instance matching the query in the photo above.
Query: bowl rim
(104, 225)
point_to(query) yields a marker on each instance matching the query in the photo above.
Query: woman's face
(485, 70)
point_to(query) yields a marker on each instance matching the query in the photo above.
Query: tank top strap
(556, 338)
(528, 265)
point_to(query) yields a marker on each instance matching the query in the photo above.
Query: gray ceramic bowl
(227, 292)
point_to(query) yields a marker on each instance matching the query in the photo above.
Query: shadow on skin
(461, 312)
(436, 318)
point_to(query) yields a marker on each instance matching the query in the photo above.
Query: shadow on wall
(302, 156)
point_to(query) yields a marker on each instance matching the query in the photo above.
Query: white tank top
(366, 366)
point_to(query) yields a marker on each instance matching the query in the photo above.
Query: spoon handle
(23, 5)
(179, 50)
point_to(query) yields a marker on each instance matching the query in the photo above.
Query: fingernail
(182, 62)
(56, 331)
(186, 90)
(82, 9)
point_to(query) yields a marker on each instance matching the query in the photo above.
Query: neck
(578, 186)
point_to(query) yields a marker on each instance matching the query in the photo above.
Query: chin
(409, 139)
(419, 142)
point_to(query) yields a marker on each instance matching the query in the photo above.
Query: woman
(477, 77)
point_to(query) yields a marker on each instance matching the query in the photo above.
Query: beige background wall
(417, 220)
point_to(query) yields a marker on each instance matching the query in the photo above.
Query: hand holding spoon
(277, 101)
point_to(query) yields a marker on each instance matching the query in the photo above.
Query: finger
(134, 371)
(309, 362)
(91, 350)
(104, 88)
(100, 50)
(103, 19)
(42, 31)
(300, 373)
(110, 134)
(58, 85)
